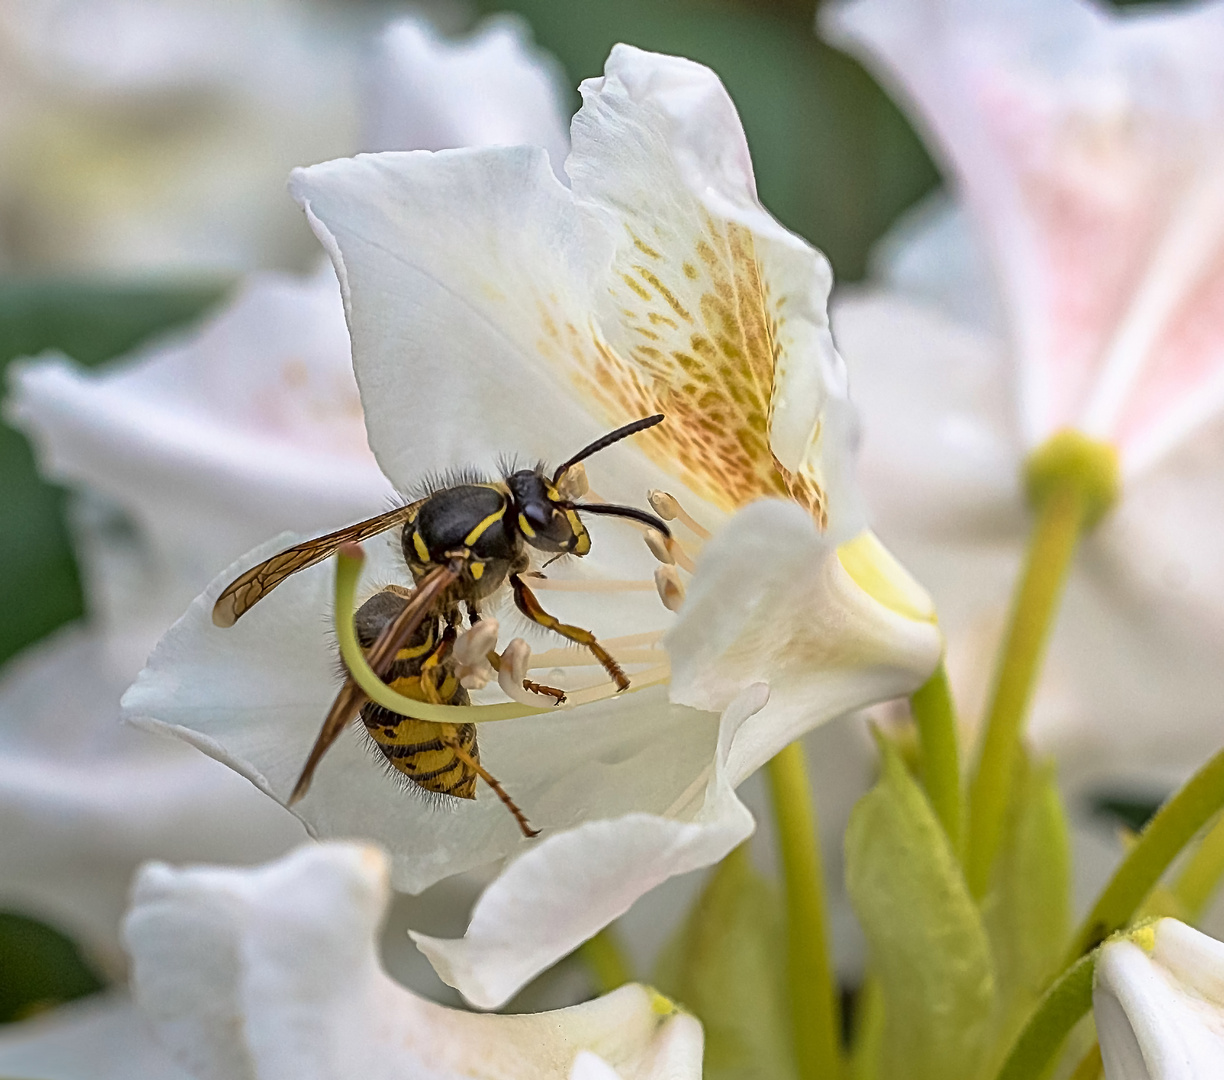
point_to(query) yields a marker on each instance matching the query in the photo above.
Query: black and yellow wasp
(462, 542)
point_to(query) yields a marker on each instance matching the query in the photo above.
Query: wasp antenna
(630, 512)
(605, 441)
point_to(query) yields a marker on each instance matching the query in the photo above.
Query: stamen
(471, 655)
(671, 588)
(682, 558)
(539, 581)
(515, 660)
(668, 507)
(573, 483)
(659, 546)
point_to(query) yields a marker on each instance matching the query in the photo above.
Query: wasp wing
(379, 656)
(245, 591)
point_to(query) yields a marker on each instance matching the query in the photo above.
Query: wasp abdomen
(423, 751)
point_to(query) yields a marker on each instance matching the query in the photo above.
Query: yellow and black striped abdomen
(416, 749)
(427, 753)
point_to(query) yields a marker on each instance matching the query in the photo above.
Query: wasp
(463, 542)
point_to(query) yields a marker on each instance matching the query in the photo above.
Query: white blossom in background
(1158, 1003)
(491, 88)
(1088, 145)
(273, 972)
(121, 121)
(492, 308)
(183, 455)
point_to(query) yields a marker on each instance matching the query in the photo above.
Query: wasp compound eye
(538, 515)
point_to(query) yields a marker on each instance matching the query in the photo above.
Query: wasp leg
(494, 659)
(527, 603)
(457, 749)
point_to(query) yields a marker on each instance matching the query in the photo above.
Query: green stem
(1170, 830)
(1051, 546)
(1202, 873)
(1037, 1046)
(938, 753)
(815, 1010)
(605, 957)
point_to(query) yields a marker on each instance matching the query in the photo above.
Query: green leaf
(40, 589)
(929, 948)
(39, 968)
(727, 966)
(834, 158)
(1028, 908)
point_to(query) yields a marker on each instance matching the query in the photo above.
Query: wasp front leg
(525, 600)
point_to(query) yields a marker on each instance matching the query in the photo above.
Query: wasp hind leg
(525, 600)
(456, 748)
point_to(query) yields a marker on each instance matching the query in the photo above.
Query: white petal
(704, 277)
(565, 889)
(932, 254)
(229, 433)
(255, 695)
(1087, 143)
(770, 602)
(273, 974)
(1158, 1001)
(491, 88)
(100, 1038)
(84, 799)
(941, 453)
(657, 285)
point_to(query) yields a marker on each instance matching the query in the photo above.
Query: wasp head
(546, 520)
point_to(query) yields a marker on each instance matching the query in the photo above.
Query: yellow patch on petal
(698, 343)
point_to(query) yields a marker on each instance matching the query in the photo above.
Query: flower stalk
(815, 1010)
(938, 752)
(1170, 830)
(1072, 481)
(1064, 1004)
(1201, 875)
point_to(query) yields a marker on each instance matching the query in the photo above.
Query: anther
(658, 545)
(668, 507)
(573, 483)
(665, 505)
(471, 651)
(515, 662)
(671, 589)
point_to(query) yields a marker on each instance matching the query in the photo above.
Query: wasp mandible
(462, 542)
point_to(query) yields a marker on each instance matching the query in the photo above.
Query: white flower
(1088, 145)
(1158, 1002)
(122, 120)
(184, 455)
(274, 972)
(491, 88)
(493, 310)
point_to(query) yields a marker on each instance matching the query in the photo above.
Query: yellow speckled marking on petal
(701, 347)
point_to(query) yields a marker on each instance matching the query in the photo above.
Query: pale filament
(539, 581)
(561, 658)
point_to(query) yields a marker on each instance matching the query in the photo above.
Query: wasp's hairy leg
(472, 763)
(527, 603)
